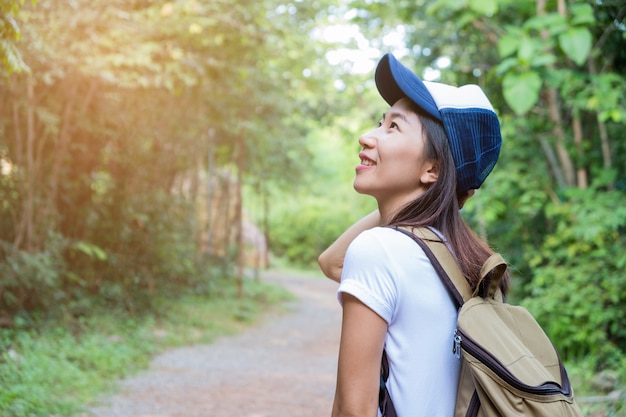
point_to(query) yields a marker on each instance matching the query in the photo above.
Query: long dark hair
(439, 205)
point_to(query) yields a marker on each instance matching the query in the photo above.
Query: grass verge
(58, 368)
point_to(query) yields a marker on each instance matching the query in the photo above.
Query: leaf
(507, 45)
(552, 22)
(484, 7)
(9, 26)
(526, 49)
(91, 250)
(506, 65)
(521, 91)
(439, 5)
(11, 58)
(543, 60)
(613, 114)
(582, 14)
(576, 43)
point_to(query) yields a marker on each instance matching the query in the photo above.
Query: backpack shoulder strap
(443, 261)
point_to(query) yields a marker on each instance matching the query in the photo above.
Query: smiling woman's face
(393, 168)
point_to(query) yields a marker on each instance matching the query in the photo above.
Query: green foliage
(54, 373)
(530, 50)
(576, 43)
(10, 56)
(583, 374)
(101, 142)
(521, 91)
(32, 280)
(577, 290)
(305, 226)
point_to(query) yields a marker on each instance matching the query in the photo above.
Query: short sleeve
(368, 273)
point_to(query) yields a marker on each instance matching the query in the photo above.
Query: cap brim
(394, 81)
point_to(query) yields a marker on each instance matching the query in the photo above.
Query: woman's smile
(366, 162)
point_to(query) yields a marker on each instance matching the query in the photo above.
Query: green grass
(59, 368)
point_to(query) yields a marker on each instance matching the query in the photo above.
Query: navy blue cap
(471, 124)
(395, 81)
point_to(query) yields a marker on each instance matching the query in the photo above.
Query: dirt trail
(285, 367)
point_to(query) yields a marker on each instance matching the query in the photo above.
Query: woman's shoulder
(380, 233)
(390, 234)
(383, 240)
(377, 238)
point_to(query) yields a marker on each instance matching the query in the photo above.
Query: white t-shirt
(390, 273)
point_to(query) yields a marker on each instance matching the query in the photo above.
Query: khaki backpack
(509, 366)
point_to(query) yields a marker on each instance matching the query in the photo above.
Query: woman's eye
(392, 125)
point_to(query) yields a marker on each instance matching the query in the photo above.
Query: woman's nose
(366, 140)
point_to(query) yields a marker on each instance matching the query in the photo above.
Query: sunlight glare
(354, 51)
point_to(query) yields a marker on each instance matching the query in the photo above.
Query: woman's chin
(360, 189)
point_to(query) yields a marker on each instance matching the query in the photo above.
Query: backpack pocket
(514, 367)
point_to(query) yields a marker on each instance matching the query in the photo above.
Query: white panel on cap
(464, 97)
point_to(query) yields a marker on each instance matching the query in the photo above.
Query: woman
(432, 148)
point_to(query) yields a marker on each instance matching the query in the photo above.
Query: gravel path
(284, 367)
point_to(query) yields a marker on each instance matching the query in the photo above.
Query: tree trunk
(266, 227)
(606, 148)
(552, 161)
(211, 179)
(226, 193)
(19, 161)
(554, 109)
(64, 135)
(604, 136)
(239, 214)
(25, 229)
(581, 173)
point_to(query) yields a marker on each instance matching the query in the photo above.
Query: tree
(102, 140)
(10, 56)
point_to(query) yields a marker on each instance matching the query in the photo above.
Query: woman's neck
(388, 212)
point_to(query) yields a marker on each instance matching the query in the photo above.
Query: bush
(304, 227)
(124, 255)
(577, 290)
(32, 280)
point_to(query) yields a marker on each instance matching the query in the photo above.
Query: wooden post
(210, 189)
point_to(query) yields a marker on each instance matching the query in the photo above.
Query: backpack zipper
(456, 345)
(474, 405)
(474, 349)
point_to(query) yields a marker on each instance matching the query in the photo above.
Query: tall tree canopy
(125, 104)
(10, 56)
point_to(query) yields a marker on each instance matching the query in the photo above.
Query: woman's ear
(430, 173)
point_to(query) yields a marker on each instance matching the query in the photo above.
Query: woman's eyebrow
(395, 115)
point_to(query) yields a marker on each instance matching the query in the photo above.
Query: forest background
(144, 145)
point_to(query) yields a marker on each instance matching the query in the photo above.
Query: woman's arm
(331, 260)
(360, 351)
